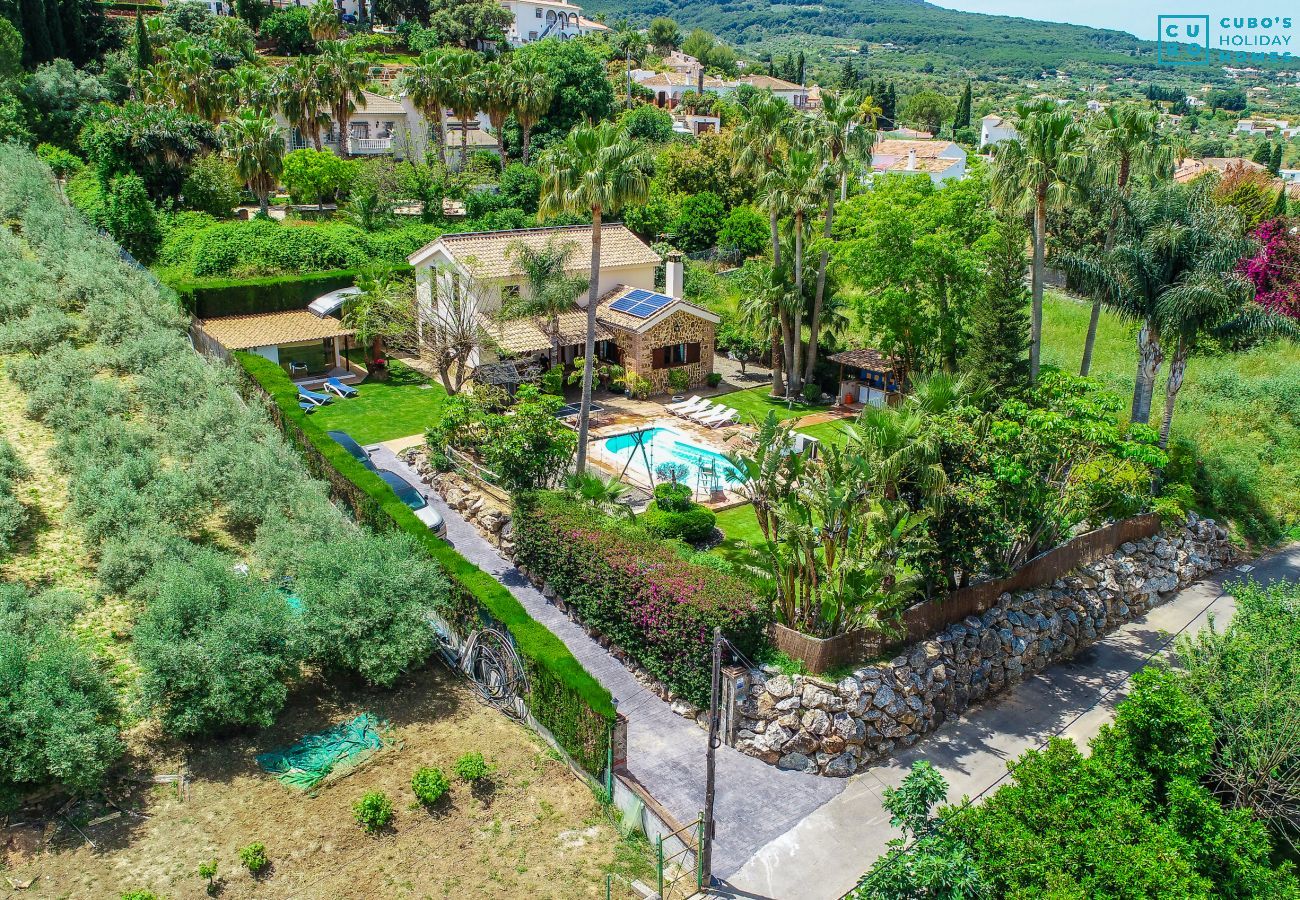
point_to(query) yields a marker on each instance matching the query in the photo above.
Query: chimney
(911, 160)
(674, 272)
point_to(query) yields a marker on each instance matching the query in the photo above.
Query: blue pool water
(666, 445)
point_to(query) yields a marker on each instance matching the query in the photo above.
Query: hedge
(564, 697)
(637, 590)
(208, 297)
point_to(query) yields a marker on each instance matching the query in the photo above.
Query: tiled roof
(488, 255)
(679, 79)
(865, 358)
(767, 82)
(1191, 168)
(265, 329)
(633, 323)
(375, 104)
(924, 149)
(531, 334)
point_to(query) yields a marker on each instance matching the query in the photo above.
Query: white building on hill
(940, 160)
(994, 129)
(538, 19)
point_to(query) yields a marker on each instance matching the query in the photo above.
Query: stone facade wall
(490, 516)
(678, 328)
(812, 725)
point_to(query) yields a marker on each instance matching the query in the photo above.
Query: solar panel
(641, 303)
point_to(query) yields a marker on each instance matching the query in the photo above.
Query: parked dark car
(408, 494)
(355, 450)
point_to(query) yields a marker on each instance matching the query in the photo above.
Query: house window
(675, 355)
(538, 11)
(532, 35)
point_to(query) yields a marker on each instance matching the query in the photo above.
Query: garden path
(756, 803)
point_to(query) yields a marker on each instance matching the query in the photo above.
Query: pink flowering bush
(1275, 269)
(637, 590)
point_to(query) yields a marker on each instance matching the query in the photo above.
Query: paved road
(756, 802)
(823, 855)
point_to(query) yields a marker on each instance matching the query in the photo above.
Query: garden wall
(812, 725)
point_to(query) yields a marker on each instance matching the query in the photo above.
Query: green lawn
(741, 529)
(755, 403)
(1238, 416)
(406, 403)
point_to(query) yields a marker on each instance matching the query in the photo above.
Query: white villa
(647, 331)
(538, 19)
(994, 129)
(668, 87)
(941, 160)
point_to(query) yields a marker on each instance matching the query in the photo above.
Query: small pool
(663, 445)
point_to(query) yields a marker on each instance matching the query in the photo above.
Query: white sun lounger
(705, 412)
(682, 404)
(732, 415)
(687, 412)
(719, 412)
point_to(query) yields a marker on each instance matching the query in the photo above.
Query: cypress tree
(848, 75)
(54, 26)
(36, 33)
(801, 65)
(1275, 164)
(999, 333)
(962, 119)
(1263, 154)
(143, 49)
(1279, 205)
(74, 32)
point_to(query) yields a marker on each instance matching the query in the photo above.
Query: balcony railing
(361, 146)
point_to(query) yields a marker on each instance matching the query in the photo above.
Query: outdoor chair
(312, 397)
(295, 367)
(701, 413)
(732, 415)
(685, 411)
(719, 412)
(306, 407)
(682, 404)
(343, 390)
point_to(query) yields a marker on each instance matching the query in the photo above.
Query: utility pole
(706, 848)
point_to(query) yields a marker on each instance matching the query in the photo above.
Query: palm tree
(493, 90)
(532, 89)
(323, 21)
(1034, 174)
(251, 89)
(757, 145)
(840, 138)
(384, 310)
(597, 170)
(628, 42)
(298, 97)
(430, 87)
(461, 68)
(551, 289)
(257, 146)
(342, 75)
(1128, 138)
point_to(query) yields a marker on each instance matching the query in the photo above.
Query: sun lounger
(334, 386)
(312, 397)
(682, 404)
(699, 415)
(691, 408)
(306, 407)
(732, 415)
(718, 413)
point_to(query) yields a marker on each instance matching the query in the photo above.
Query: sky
(1134, 16)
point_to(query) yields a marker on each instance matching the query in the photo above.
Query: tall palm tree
(551, 289)
(1034, 174)
(251, 89)
(342, 74)
(462, 71)
(257, 147)
(532, 89)
(757, 146)
(493, 89)
(1128, 138)
(841, 139)
(430, 87)
(323, 21)
(298, 97)
(598, 169)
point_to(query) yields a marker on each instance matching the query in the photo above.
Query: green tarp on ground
(306, 763)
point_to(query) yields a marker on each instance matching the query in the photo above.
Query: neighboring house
(682, 64)
(794, 94)
(867, 377)
(668, 87)
(645, 331)
(1191, 169)
(1095, 106)
(814, 97)
(994, 129)
(538, 19)
(1194, 102)
(941, 160)
(693, 123)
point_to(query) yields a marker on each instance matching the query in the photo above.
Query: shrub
(811, 393)
(744, 231)
(214, 647)
(714, 379)
(673, 497)
(698, 221)
(637, 590)
(648, 123)
(430, 785)
(472, 767)
(212, 186)
(679, 379)
(130, 217)
(140, 895)
(208, 872)
(694, 525)
(61, 162)
(288, 29)
(373, 811)
(254, 858)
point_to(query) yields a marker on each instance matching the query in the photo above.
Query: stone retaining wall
(812, 725)
(484, 512)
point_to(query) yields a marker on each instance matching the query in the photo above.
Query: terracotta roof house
(643, 329)
(305, 344)
(941, 160)
(1191, 169)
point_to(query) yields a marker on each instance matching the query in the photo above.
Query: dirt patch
(537, 832)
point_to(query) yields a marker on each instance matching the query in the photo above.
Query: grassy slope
(405, 404)
(1240, 412)
(755, 403)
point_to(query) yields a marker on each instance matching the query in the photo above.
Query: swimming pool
(663, 445)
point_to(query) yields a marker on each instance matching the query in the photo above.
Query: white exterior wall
(991, 134)
(533, 16)
(271, 352)
(407, 133)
